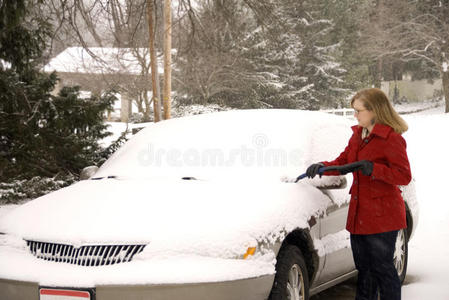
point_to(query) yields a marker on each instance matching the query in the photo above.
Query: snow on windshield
(231, 144)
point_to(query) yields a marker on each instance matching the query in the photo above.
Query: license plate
(63, 294)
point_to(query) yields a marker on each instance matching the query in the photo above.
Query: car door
(336, 243)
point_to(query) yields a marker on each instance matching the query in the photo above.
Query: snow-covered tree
(311, 76)
(40, 134)
(348, 17)
(429, 39)
(261, 54)
(411, 33)
(210, 66)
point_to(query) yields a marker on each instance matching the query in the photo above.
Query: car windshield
(232, 144)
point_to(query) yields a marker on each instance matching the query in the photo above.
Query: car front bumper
(248, 289)
(22, 276)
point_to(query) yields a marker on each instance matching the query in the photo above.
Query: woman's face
(362, 115)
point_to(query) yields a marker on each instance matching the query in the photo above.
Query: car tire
(291, 280)
(401, 254)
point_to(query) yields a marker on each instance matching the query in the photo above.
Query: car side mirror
(88, 172)
(341, 183)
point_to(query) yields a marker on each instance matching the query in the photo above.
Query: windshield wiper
(107, 177)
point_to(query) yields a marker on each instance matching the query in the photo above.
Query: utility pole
(167, 59)
(154, 65)
(379, 12)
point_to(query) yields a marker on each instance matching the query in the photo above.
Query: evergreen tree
(281, 60)
(348, 16)
(298, 57)
(41, 134)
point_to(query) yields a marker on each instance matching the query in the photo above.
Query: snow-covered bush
(18, 191)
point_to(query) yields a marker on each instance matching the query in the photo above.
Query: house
(408, 90)
(97, 69)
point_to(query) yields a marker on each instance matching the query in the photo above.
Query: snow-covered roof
(101, 60)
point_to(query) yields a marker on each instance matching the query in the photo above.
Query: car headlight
(262, 249)
(249, 252)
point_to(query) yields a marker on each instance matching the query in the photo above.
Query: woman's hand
(365, 166)
(313, 169)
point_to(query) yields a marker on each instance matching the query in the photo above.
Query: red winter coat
(376, 202)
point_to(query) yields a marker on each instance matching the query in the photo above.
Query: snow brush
(343, 169)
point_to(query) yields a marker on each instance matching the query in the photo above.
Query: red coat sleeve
(397, 170)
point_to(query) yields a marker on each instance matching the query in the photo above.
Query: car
(199, 207)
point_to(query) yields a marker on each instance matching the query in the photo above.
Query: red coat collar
(380, 130)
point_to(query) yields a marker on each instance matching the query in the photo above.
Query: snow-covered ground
(429, 248)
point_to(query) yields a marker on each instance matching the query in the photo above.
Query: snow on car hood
(214, 218)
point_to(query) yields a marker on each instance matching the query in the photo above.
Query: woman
(377, 210)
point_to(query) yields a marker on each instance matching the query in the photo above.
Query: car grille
(97, 255)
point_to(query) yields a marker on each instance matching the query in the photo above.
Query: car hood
(212, 218)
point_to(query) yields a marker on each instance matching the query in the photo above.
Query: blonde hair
(376, 101)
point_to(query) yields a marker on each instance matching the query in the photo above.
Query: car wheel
(291, 280)
(401, 254)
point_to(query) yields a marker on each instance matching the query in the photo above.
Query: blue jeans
(373, 258)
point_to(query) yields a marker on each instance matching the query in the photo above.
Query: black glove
(364, 165)
(312, 170)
